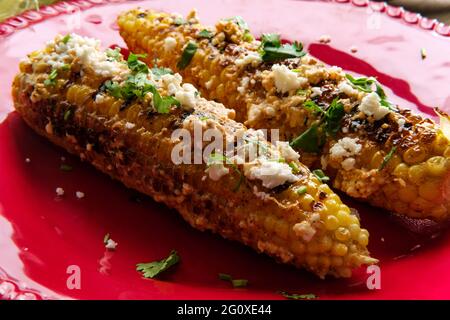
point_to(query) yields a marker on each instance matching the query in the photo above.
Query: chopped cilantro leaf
(51, 80)
(236, 283)
(205, 34)
(301, 190)
(217, 158)
(159, 72)
(272, 50)
(333, 117)
(294, 167)
(65, 167)
(114, 54)
(313, 107)
(66, 38)
(67, 114)
(153, 269)
(135, 64)
(310, 140)
(320, 175)
(387, 158)
(178, 21)
(187, 55)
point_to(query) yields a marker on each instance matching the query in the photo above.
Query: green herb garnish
(66, 38)
(65, 67)
(294, 167)
(313, 107)
(301, 190)
(333, 117)
(159, 72)
(137, 65)
(310, 140)
(205, 34)
(65, 167)
(236, 283)
(187, 55)
(114, 54)
(320, 175)
(51, 80)
(153, 269)
(387, 158)
(67, 114)
(272, 50)
(367, 84)
(296, 296)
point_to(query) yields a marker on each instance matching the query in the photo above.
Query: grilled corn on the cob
(390, 158)
(121, 117)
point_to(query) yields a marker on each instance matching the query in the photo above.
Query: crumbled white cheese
(316, 91)
(371, 106)
(187, 96)
(59, 191)
(172, 82)
(345, 147)
(216, 171)
(271, 173)
(79, 194)
(252, 58)
(27, 160)
(244, 84)
(129, 125)
(304, 230)
(286, 79)
(88, 53)
(169, 44)
(111, 244)
(347, 89)
(100, 98)
(286, 151)
(348, 164)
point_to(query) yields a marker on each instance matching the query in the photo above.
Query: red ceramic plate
(41, 236)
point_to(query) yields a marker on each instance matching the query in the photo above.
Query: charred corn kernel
(414, 155)
(437, 166)
(287, 226)
(251, 90)
(417, 173)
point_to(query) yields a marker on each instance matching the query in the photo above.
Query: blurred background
(439, 9)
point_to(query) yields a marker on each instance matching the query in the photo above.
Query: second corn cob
(121, 117)
(373, 151)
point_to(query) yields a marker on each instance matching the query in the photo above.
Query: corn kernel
(337, 261)
(324, 261)
(440, 144)
(437, 166)
(345, 272)
(339, 249)
(354, 230)
(344, 218)
(298, 248)
(325, 244)
(306, 201)
(417, 173)
(420, 204)
(439, 212)
(331, 223)
(430, 190)
(414, 155)
(311, 260)
(363, 240)
(342, 234)
(377, 160)
(401, 171)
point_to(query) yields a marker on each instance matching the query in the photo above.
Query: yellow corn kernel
(306, 201)
(344, 218)
(363, 239)
(377, 160)
(298, 248)
(331, 222)
(440, 143)
(339, 249)
(439, 212)
(311, 260)
(324, 261)
(326, 243)
(420, 204)
(354, 230)
(401, 171)
(437, 166)
(447, 152)
(393, 162)
(417, 173)
(414, 155)
(342, 234)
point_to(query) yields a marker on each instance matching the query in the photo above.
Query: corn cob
(79, 98)
(388, 157)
